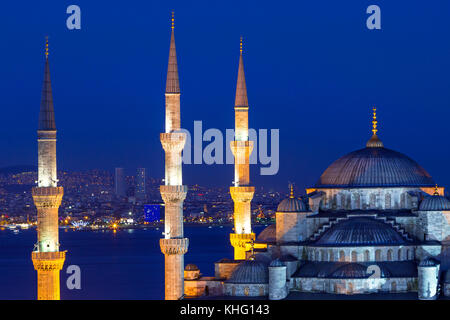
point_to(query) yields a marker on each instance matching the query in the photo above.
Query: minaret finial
(436, 191)
(240, 45)
(374, 121)
(291, 188)
(173, 19)
(46, 47)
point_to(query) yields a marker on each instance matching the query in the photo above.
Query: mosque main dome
(374, 166)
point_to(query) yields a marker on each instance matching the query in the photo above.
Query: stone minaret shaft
(47, 196)
(173, 193)
(241, 192)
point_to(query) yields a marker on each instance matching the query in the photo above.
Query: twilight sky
(313, 70)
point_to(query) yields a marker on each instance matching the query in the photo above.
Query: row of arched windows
(345, 201)
(379, 255)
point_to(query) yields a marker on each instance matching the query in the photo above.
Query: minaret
(47, 196)
(241, 192)
(173, 193)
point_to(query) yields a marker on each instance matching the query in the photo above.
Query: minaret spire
(241, 147)
(47, 196)
(173, 192)
(241, 87)
(374, 141)
(173, 82)
(47, 113)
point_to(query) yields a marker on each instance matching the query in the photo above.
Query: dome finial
(436, 191)
(291, 188)
(374, 121)
(374, 142)
(173, 19)
(240, 45)
(46, 47)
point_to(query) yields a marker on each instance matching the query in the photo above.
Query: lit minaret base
(47, 196)
(173, 193)
(242, 192)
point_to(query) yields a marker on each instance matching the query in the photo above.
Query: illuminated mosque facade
(375, 222)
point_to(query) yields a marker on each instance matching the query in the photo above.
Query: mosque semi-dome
(361, 231)
(250, 271)
(435, 203)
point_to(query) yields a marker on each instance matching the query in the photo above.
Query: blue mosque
(375, 222)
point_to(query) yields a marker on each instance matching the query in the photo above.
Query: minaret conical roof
(241, 87)
(47, 112)
(173, 82)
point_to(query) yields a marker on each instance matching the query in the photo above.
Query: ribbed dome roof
(374, 167)
(250, 271)
(360, 231)
(291, 205)
(434, 203)
(191, 267)
(350, 270)
(269, 234)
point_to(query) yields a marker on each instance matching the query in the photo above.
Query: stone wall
(223, 270)
(246, 290)
(361, 254)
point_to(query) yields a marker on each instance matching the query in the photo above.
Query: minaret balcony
(173, 194)
(173, 141)
(174, 246)
(47, 197)
(242, 194)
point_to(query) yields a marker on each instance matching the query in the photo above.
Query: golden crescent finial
(291, 187)
(46, 47)
(436, 191)
(173, 19)
(240, 46)
(374, 121)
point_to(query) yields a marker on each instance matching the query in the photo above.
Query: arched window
(261, 291)
(378, 255)
(366, 255)
(350, 288)
(394, 286)
(403, 200)
(388, 201)
(357, 199)
(373, 199)
(354, 256)
(389, 255)
(407, 254)
(246, 291)
(342, 255)
(331, 255)
(399, 256)
(233, 291)
(324, 255)
(342, 200)
(316, 255)
(334, 203)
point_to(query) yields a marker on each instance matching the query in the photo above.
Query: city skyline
(319, 75)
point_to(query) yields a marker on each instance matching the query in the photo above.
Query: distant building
(152, 212)
(140, 193)
(120, 184)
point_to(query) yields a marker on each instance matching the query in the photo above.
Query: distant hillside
(17, 169)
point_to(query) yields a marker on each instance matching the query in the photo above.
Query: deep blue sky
(313, 70)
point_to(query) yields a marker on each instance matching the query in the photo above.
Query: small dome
(269, 234)
(360, 231)
(429, 262)
(434, 203)
(191, 267)
(250, 271)
(291, 205)
(277, 263)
